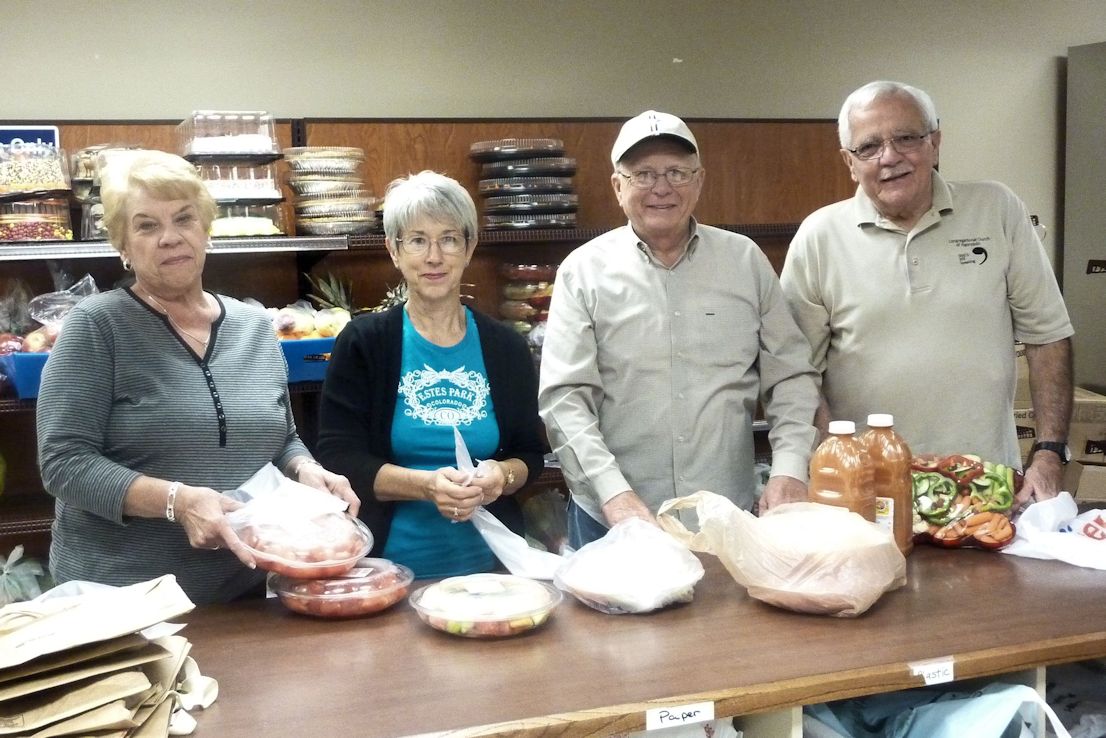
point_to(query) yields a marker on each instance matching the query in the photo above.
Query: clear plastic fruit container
(485, 605)
(370, 586)
(317, 548)
(35, 220)
(228, 133)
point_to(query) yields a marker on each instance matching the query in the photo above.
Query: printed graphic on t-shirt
(446, 398)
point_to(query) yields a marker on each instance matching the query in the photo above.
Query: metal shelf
(31, 250)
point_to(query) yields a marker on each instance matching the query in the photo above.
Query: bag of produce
(636, 567)
(296, 530)
(802, 556)
(961, 500)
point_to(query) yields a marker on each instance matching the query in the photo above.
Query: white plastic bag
(801, 556)
(1055, 529)
(636, 567)
(931, 713)
(511, 549)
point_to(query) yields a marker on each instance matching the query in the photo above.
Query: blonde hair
(160, 175)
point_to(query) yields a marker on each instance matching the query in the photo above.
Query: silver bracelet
(171, 502)
(300, 466)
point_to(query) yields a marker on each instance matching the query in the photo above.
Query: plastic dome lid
(842, 427)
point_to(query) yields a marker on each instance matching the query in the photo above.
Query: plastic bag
(636, 567)
(1055, 529)
(801, 556)
(990, 712)
(50, 310)
(511, 549)
(296, 530)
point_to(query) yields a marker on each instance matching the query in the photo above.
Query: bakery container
(370, 586)
(524, 185)
(35, 220)
(563, 166)
(228, 133)
(324, 160)
(31, 169)
(235, 220)
(229, 181)
(485, 605)
(523, 222)
(355, 203)
(525, 204)
(516, 148)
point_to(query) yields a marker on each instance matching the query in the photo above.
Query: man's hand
(1042, 480)
(780, 490)
(626, 505)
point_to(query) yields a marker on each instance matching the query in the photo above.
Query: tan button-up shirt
(651, 375)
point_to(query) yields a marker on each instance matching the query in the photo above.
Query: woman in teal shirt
(400, 381)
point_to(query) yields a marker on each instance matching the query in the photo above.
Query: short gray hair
(882, 88)
(427, 195)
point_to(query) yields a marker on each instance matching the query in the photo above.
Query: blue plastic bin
(24, 371)
(307, 358)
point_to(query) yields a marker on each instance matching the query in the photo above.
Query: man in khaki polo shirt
(912, 293)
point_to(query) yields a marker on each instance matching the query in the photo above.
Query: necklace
(175, 324)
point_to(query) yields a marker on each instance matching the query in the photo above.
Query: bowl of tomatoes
(316, 547)
(372, 585)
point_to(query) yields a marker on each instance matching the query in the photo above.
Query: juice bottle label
(885, 513)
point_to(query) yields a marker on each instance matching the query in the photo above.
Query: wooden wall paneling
(769, 171)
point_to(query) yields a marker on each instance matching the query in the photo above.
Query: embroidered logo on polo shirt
(444, 398)
(973, 251)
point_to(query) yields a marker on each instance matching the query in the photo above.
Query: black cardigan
(359, 400)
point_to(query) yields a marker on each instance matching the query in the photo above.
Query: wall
(994, 67)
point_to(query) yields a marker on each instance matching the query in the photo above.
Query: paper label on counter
(667, 717)
(937, 671)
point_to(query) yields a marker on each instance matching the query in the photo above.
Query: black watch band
(1060, 448)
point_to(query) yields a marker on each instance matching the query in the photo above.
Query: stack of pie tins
(330, 194)
(526, 183)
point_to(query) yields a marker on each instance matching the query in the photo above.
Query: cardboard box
(307, 358)
(1087, 437)
(1090, 485)
(1021, 394)
(25, 372)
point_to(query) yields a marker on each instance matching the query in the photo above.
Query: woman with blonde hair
(160, 396)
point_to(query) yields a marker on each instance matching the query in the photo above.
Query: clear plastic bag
(636, 567)
(50, 310)
(801, 556)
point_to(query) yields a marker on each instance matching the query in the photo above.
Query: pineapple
(330, 292)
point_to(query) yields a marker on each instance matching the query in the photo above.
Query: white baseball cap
(650, 124)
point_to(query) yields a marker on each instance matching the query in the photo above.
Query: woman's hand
(201, 511)
(455, 499)
(320, 478)
(492, 481)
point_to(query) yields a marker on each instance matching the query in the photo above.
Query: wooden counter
(585, 673)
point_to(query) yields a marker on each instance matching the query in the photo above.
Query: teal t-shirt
(439, 388)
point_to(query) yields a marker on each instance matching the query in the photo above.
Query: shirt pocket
(722, 337)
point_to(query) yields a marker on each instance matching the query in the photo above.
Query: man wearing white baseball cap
(663, 334)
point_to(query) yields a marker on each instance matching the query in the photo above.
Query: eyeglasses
(647, 178)
(449, 244)
(904, 144)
